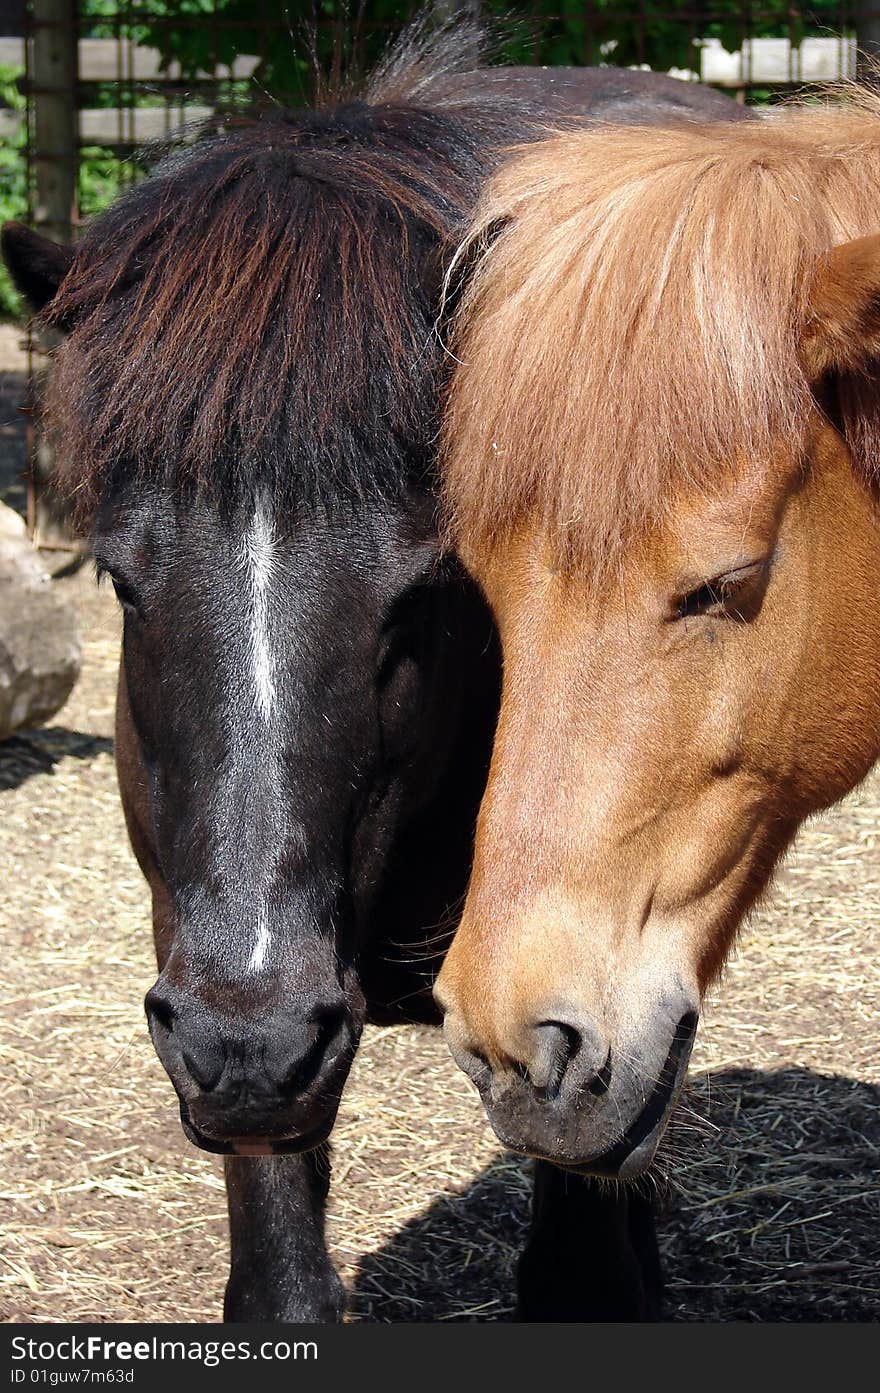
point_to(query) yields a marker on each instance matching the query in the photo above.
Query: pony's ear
(36, 264)
(843, 324)
(461, 264)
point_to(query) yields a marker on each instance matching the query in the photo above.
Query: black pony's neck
(422, 890)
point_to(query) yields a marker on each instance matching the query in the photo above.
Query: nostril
(601, 1080)
(184, 1037)
(205, 1069)
(330, 1019)
(299, 1074)
(555, 1044)
(470, 1060)
(568, 1054)
(160, 1009)
(475, 1065)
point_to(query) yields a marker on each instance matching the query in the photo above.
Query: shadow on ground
(775, 1215)
(39, 751)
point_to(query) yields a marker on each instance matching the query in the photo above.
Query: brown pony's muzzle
(563, 1091)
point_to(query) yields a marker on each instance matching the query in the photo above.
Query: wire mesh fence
(142, 69)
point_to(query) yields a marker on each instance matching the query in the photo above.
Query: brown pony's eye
(734, 595)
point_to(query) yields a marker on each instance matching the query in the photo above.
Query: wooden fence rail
(177, 102)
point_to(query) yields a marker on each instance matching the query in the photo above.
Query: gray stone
(39, 645)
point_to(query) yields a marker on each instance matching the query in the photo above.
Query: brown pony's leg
(591, 1253)
(281, 1270)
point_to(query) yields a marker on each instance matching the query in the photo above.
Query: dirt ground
(772, 1204)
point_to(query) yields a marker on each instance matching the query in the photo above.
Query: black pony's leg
(281, 1270)
(591, 1253)
(643, 1237)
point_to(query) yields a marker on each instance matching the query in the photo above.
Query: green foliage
(13, 187)
(201, 35)
(349, 35)
(100, 179)
(659, 32)
(99, 176)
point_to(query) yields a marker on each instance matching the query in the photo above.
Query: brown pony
(661, 463)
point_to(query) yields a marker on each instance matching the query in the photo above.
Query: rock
(39, 645)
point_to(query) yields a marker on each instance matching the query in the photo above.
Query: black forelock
(260, 310)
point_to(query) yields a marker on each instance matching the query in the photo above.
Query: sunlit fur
(633, 325)
(661, 463)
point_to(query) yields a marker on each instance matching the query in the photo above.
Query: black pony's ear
(36, 264)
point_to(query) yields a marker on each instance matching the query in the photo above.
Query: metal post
(52, 74)
(51, 54)
(867, 22)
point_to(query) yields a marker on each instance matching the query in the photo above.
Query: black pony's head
(245, 409)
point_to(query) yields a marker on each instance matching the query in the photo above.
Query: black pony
(246, 405)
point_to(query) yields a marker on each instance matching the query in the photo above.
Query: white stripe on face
(257, 960)
(258, 549)
(259, 557)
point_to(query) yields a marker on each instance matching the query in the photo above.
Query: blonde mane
(632, 322)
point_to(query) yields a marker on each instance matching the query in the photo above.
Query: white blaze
(259, 558)
(257, 958)
(259, 561)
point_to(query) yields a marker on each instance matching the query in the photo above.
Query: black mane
(259, 312)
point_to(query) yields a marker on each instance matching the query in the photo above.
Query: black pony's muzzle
(255, 1143)
(255, 1082)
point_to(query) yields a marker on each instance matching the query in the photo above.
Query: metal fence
(103, 79)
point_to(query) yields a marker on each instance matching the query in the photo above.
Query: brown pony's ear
(842, 333)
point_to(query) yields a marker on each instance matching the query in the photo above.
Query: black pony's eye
(734, 595)
(390, 654)
(407, 633)
(125, 595)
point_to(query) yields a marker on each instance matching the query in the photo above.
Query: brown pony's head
(661, 460)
